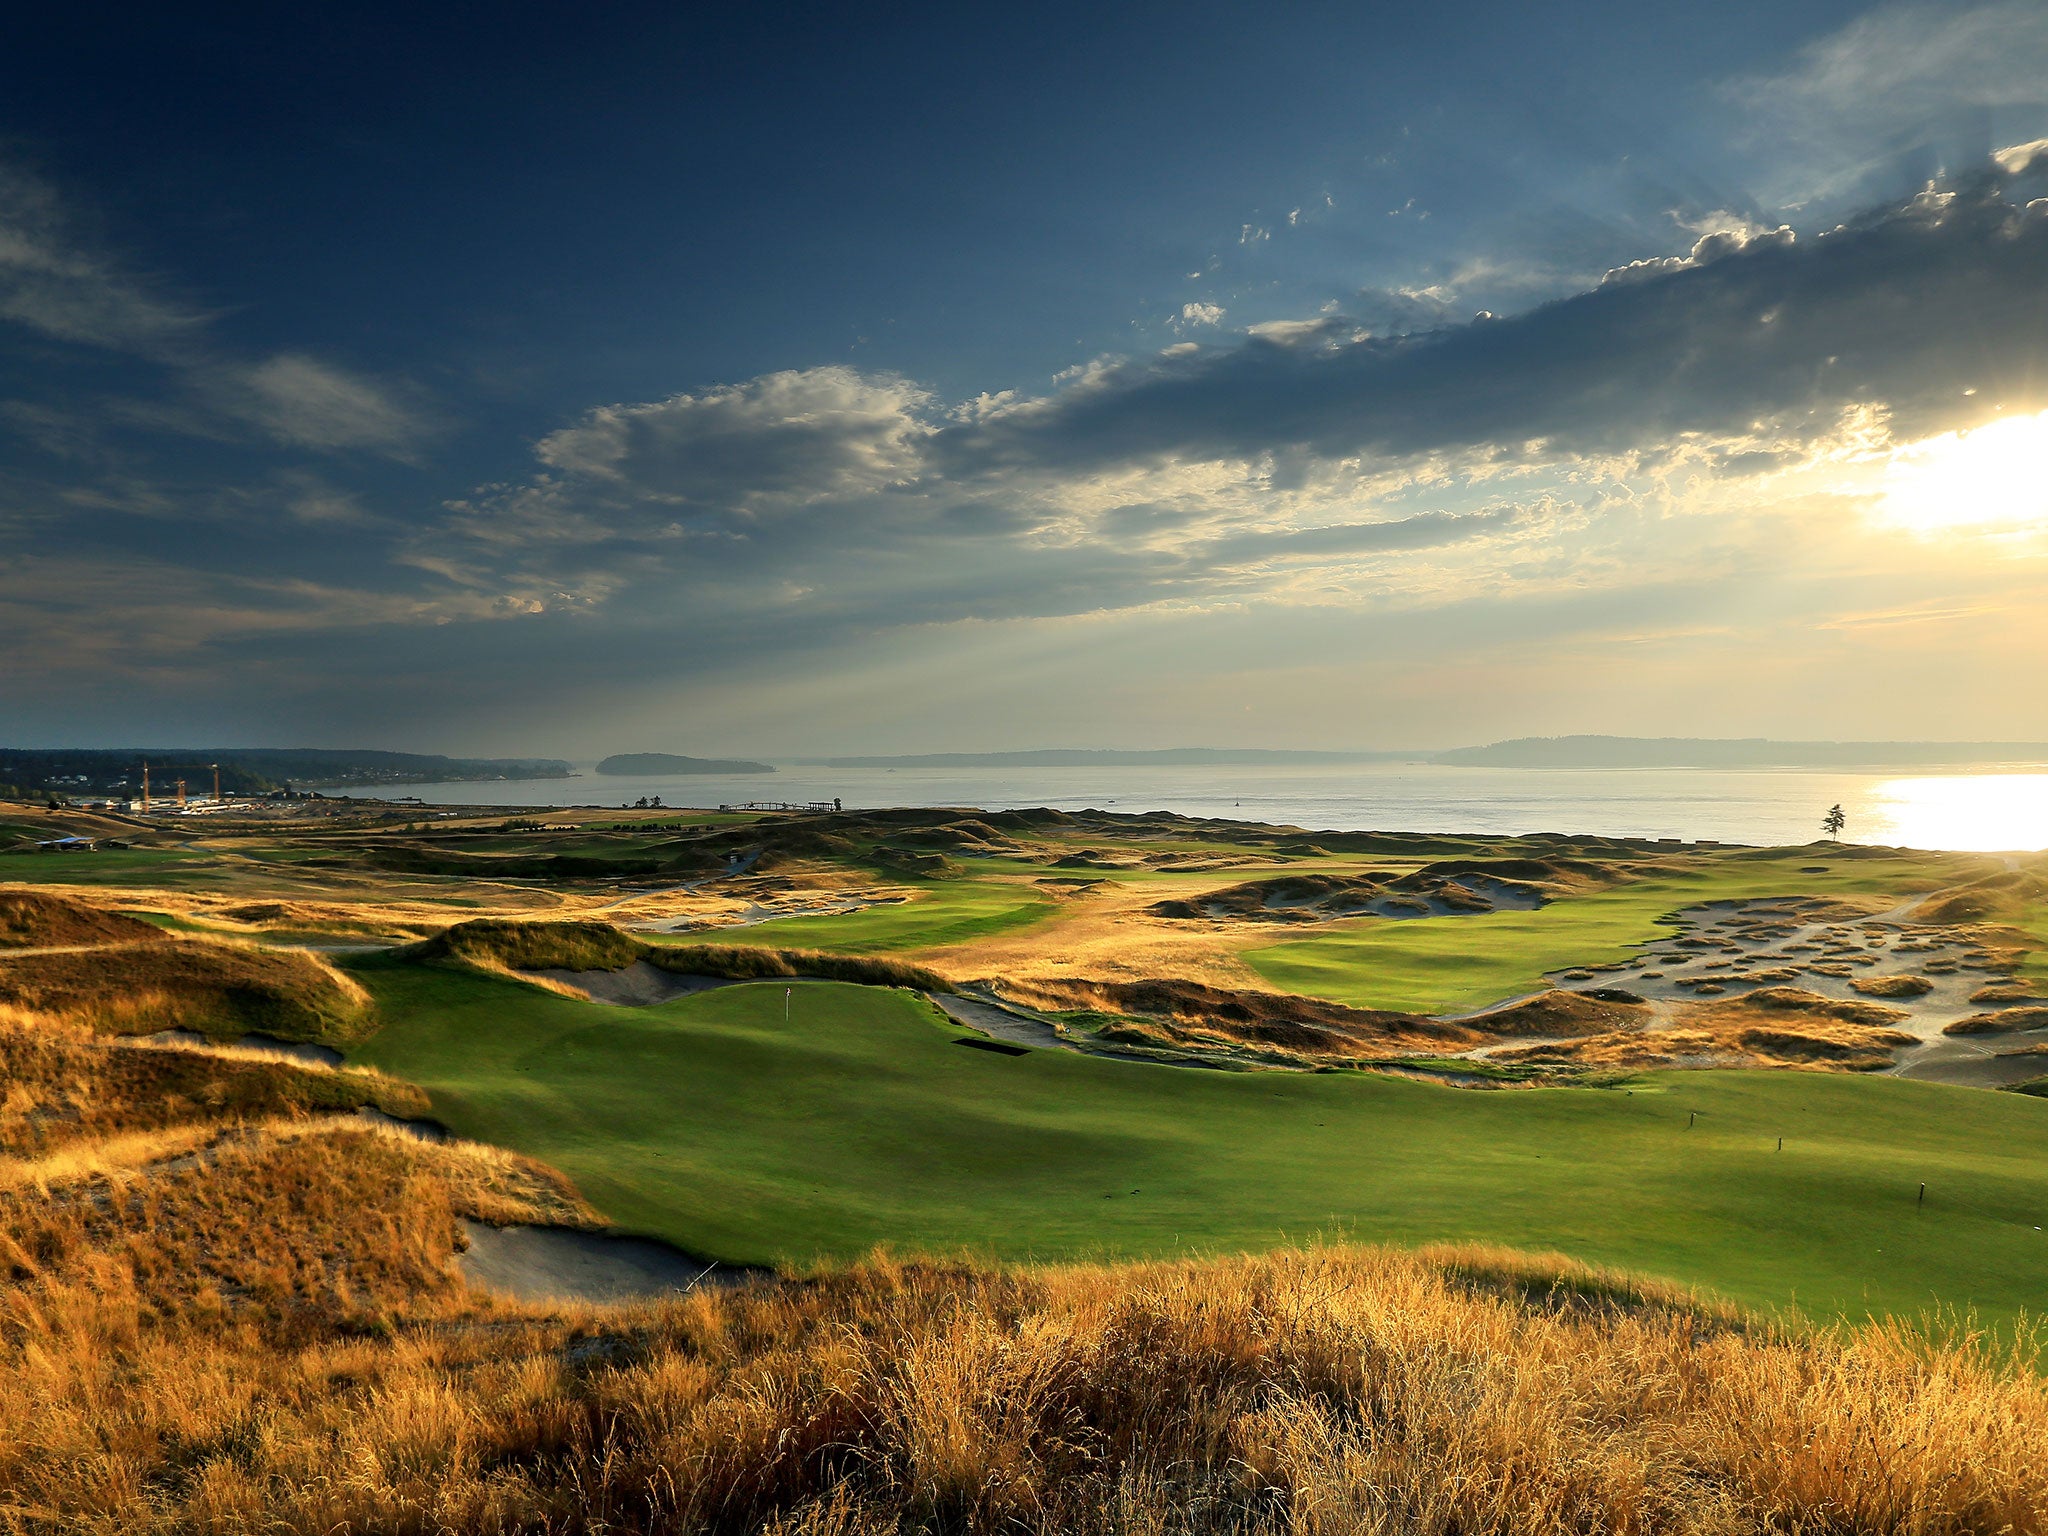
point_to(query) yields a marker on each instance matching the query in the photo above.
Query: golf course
(861, 1119)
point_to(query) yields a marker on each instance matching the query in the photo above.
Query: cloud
(306, 403)
(1903, 309)
(52, 282)
(2018, 159)
(1310, 462)
(58, 284)
(1395, 483)
(1912, 87)
(795, 434)
(1426, 530)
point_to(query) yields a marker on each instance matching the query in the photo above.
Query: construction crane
(181, 794)
(216, 782)
(145, 786)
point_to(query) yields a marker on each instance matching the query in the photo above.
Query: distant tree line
(31, 772)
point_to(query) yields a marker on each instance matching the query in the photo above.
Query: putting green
(1458, 964)
(711, 1122)
(942, 912)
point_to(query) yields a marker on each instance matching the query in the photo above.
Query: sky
(552, 380)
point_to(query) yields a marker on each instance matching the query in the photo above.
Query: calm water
(1984, 811)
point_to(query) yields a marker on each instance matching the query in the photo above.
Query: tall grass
(221, 988)
(1335, 1390)
(748, 962)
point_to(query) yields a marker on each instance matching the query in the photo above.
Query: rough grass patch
(222, 990)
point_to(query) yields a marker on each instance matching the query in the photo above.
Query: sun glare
(1975, 812)
(1995, 477)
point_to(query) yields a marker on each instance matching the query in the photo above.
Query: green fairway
(942, 912)
(710, 1122)
(172, 867)
(1456, 964)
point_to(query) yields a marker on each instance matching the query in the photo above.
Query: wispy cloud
(66, 288)
(1906, 90)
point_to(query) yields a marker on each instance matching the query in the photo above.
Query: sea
(2000, 810)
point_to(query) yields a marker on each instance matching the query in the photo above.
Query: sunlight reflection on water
(1981, 812)
(1989, 812)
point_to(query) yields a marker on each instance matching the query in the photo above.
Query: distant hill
(1746, 752)
(248, 770)
(1066, 758)
(653, 764)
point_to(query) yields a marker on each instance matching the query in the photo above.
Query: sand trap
(639, 985)
(1727, 951)
(1000, 1023)
(558, 1264)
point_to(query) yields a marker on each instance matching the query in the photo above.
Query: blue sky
(552, 379)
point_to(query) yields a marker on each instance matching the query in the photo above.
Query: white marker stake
(785, 1003)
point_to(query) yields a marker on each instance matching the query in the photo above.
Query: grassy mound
(1891, 986)
(2006, 992)
(506, 944)
(2000, 898)
(219, 990)
(67, 1086)
(1781, 1003)
(34, 920)
(520, 946)
(1562, 1012)
(2003, 1021)
(748, 963)
(1301, 1025)
(1721, 1041)
(1335, 1390)
(1561, 874)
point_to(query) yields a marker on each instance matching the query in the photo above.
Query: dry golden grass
(1999, 898)
(1105, 930)
(1792, 1005)
(61, 1084)
(216, 988)
(246, 1321)
(1339, 1390)
(1891, 986)
(1720, 1041)
(1186, 1013)
(33, 919)
(1561, 1012)
(1770, 1027)
(2003, 1021)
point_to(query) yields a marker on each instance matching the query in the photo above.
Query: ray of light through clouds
(1756, 445)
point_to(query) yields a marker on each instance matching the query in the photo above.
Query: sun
(1994, 477)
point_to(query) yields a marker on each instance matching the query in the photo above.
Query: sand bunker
(1797, 981)
(639, 985)
(1000, 1023)
(559, 1264)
